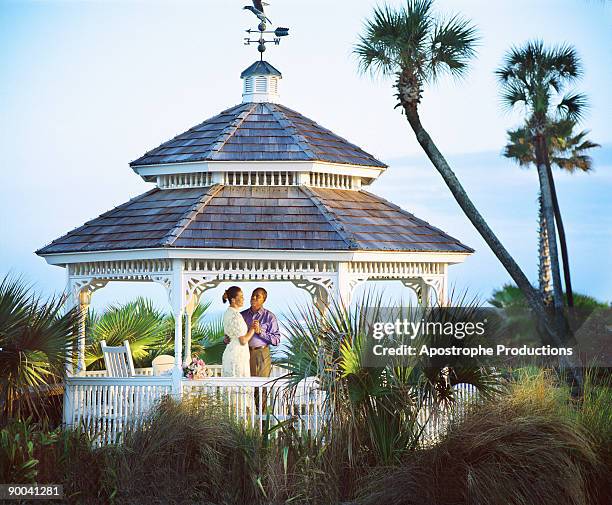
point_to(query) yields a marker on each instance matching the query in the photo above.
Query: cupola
(260, 83)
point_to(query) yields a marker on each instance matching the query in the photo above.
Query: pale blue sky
(86, 87)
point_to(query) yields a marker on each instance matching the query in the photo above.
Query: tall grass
(533, 444)
(530, 446)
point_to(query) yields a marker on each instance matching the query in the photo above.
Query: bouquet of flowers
(197, 369)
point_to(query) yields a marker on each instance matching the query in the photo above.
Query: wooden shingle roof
(256, 217)
(258, 132)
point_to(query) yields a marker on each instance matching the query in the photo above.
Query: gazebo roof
(251, 217)
(254, 131)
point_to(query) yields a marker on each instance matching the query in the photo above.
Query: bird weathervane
(258, 8)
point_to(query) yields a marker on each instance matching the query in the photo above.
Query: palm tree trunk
(544, 273)
(549, 216)
(555, 331)
(562, 240)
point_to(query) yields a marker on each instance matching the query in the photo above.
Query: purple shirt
(270, 334)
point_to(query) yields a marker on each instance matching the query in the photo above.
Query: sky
(86, 87)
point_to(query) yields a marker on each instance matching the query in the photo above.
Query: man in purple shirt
(266, 333)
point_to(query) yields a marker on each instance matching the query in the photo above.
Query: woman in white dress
(236, 357)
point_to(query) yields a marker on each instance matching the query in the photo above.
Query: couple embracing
(248, 335)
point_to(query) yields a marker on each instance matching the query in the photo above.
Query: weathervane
(258, 9)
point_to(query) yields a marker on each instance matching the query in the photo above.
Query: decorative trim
(320, 288)
(333, 181)
(417, 286)
(259, 178)
(395, 269)
(190, 180)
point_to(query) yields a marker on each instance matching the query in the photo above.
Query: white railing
(140, 372)
(215, 371)
(262, 402)
(105, 406)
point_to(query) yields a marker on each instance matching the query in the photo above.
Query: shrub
(520, 449)
(185, 453)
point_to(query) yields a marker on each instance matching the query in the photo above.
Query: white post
(187, 338)
(178, 309)
(444, 291)
(84, 301)
(425, 294)
(343, 291)
(69, 305)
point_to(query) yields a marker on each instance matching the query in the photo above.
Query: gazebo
(256, 193)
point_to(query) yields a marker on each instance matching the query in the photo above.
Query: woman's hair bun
(230, 294)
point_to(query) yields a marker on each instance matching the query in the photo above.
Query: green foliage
(567, 150)
(36, 337)
(533, 443)
(192, 451)
(517, 449)
(412, 39)
(17, 462)
(378, 406)
(150, 333)
(537, 77)
(138, 322)
(509, 296)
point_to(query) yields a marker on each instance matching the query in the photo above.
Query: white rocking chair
(118, 360)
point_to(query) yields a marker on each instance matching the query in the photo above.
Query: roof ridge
(331, 218)
(226, 111)
(287, 123)
(416, 219)
(318, 125)
(188, 217)
(227, 132)
(87, 223)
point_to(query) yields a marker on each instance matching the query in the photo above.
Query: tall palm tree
(536, 78)
(568, 151)
(415, 47)
(35, 338)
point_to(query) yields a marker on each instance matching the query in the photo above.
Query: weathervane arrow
(258, 9)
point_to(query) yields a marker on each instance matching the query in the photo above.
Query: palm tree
(150, 333)
(417, 48)
(386, 405)
(138, 322)
(535, 78)
(567, 151)
(36, 338)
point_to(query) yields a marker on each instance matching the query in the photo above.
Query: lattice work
(259, 269)
(395, 270)
(417, 286)
(320, 288)
(123, 270)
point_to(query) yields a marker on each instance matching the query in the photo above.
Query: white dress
(236, 357)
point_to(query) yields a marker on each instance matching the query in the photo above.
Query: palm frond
(36, 337)
(138, 322)
(573, 106)
(410, 40)
(535, 76)
(452, 46)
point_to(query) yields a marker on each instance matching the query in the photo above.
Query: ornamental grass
(528, 447)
